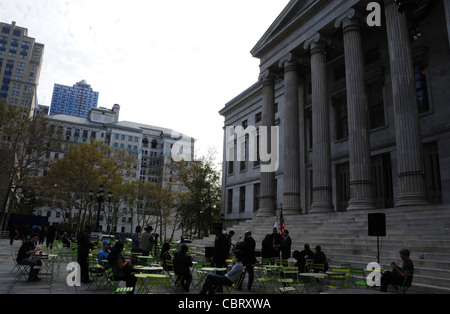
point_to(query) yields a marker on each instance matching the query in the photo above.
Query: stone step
(344, 238)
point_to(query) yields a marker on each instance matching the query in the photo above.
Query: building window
(420, 76)
(432, 172)
(340, 107)
(376, 104)
(258, 117)
(242, 199)
(256, 192)
(230, 201)
(342, 186)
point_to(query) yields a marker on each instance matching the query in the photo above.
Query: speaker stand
(378, 250)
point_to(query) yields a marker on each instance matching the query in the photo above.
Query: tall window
(376, 104)
(230, 201)
(340, 108)
(242, 199)
(420, 76)
(432, 172)
(256, 192)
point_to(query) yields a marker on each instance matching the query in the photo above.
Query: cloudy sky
(169, 63)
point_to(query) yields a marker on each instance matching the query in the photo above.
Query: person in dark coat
(182, 262)
(248, 257)
(266, 247)
(275, 239)
(320, 258)
(220, 249)
(286, 245)
(84, 246)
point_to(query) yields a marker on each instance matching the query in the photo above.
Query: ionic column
(267, 179)
(321, 190)
(411, 181)
(291, 172)
(361, 188)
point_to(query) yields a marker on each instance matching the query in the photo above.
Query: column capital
(289, 62)
(351, 18)
(316, 43)
(267, 77)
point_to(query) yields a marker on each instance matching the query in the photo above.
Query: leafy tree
(74, 180)
(25, 145)
(199, 198)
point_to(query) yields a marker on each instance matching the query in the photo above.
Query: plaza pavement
(58, 284)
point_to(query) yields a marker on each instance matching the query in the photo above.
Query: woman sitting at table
(165, 255)
(121, 268)
(212, 281)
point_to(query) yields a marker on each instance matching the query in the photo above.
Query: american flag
(281, 223)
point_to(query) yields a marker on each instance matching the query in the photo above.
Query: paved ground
(59, 285)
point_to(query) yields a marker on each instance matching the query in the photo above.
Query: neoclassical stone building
(362, 111)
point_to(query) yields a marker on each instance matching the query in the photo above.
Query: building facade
(361, 111)
(77, 100)
(150, 146)
(20, 66)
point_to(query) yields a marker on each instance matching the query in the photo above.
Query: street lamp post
(100, 200)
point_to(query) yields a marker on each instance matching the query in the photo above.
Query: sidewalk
(59, 285)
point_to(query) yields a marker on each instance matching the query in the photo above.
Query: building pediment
(293, 15)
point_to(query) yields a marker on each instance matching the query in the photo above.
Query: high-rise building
(20, 67)
(74, 101)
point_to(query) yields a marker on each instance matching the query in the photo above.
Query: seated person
(213, 281)
(398, 274)
(165, 255)
(24, 256)
(103, 254)
(121, 268)
(320, 258)
(182, 262)
(66, 240)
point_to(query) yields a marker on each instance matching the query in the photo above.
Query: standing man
(248, 257)
(220, 248)
(51, 235)
(24, 256)
(147, 240)
(84, 246)
(286, 245)
(275, 240)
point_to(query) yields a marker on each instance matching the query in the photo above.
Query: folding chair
(289, 281)
(113, 284)
(97, 273)
(158, 281)
(316, 268)
(336, 281)
(200, 274)
(345, 272)
(236, 284)
(358, 277)
(171, 272)
(401, 289)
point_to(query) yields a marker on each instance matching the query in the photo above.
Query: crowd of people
(274, 245)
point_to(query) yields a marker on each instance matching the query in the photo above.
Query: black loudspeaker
(209, 251)
(377, 224)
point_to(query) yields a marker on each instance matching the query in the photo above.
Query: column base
(265, 212)
(360, 204)
(292, 211)
(321, 208)
(411, 200)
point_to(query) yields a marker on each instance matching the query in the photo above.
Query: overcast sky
(169, 63)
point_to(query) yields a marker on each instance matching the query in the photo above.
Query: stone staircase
(343, 236)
